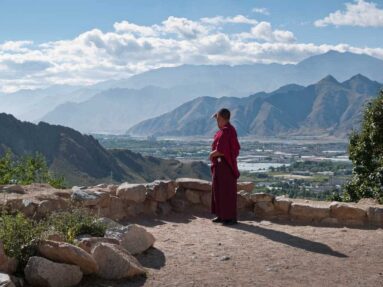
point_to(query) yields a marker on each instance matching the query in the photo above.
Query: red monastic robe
(225, 173)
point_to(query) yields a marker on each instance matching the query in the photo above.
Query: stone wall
(161, 197)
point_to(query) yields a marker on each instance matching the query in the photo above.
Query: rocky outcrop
(41, 272)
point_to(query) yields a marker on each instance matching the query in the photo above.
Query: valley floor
(190, 250)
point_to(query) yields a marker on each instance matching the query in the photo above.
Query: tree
(26, 170)
(366, 154)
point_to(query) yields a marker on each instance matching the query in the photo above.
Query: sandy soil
(190, 250)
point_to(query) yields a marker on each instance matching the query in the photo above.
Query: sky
(81, 42)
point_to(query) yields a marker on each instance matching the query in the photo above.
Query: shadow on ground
(288, 239)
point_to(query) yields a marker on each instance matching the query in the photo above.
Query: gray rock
(67, 253)
(132, 237)
(161, 190)
(5, 280)
(115, 262)
(132, 192)
(41, 272)
(193, 183)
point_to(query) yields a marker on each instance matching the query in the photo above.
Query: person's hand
(211, 156)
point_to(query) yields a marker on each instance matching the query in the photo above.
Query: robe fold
(224, 171)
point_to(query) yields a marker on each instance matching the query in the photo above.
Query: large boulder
(164, 208)
(179, 204)
(41, 272)
(193, 183)
(262, 197)
(150, 206)
(115, 262)
(193, 196)
(90, 197)
(247, 186)
(109, 223)
(6, 281)
(132, 237)
(264, 209)
(87, 243)
(348, 213)
(132, 192)
(47, 206)
(116, 208)
(282, 205)
(161, 190)
(309, 212)
(206, 199)
(7, 264)
(375, 215)
(67, 253)
(243, 199)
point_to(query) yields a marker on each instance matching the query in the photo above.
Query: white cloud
(130, 49)
(360, 13)
(263, 11)
(263, 31)
(238, 19)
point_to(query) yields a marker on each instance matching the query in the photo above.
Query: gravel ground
(190, 250)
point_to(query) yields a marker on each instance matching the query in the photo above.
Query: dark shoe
(217, 219)
(230, 222)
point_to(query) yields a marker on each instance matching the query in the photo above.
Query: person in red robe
(224, 170)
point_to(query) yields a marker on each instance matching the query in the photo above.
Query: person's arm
(215, 153)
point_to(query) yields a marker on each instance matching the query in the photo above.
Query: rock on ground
(132, 237)
(115, 262)
(5, 280)
(67, 253)
(41, 272)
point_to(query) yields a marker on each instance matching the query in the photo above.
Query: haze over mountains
(326, 108)
(83, 161)
(115, 106)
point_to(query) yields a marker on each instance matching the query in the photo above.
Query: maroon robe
(225, 173)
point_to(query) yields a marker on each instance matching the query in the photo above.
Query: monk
(224, 170)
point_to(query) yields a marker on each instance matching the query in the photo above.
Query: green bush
(74, 223)
(26, 170)
(366, 153)
(20, 235)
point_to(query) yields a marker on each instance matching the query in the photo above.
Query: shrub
(26, 170)
(20, 235)
(74, 223)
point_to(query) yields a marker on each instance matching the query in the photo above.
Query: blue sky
(45, 20)
(84, 41)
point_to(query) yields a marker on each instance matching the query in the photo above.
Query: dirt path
(190, 250)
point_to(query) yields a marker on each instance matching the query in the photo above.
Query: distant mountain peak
(328, 79)
(359, 77)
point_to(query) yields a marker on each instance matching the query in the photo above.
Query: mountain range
(116, 105)
(326, 108)
(83, 161)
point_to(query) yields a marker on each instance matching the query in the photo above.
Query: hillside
(82, 160)
(327, 107)
(115, 110)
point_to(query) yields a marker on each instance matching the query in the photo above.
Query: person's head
(222, 117)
